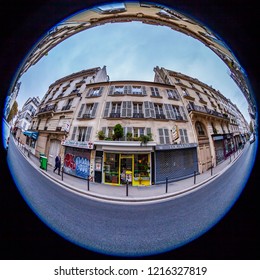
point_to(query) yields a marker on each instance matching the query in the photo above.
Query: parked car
(252, 138)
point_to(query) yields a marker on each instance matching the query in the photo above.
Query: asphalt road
(129, 230)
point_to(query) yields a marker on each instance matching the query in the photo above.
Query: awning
(31, 134)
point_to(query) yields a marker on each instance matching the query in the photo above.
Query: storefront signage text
(176, 146)
(76, 144)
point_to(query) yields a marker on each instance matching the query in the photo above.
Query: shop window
(141, 167)
(111, 168)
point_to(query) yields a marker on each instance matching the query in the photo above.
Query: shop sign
(77, 144)
(176, 146)
(220, 137)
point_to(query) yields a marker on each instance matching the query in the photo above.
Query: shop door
(205, 157)
(54, 151)
(126, 169)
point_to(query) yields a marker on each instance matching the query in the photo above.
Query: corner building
(165, 133)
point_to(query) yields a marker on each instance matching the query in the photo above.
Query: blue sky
(131, 51)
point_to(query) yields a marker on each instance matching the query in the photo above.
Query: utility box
(43, 162)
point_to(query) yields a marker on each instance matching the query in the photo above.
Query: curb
(157, 198)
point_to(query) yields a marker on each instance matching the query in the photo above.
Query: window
(118, 90)
(164, 137)
(138, 131)
(159, 111)
(116, 108)
(172, 94)
(84, 133)
(128, 89)
(183, 136)
(137, 90)
(138, 110)
(185, 92)
(155, 92)
(95, 92)
(200, 129)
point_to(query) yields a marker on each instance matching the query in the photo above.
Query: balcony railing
(67, 107)
(160, 116)
(48, 108)
(138, 115)
(114, 115)
(205, 110)
(86, 116)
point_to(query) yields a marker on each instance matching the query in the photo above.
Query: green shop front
(126, 163)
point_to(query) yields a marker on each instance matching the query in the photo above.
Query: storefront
(31, 138)
(125, 164)
(175, 162)
(219, 148)
(229, 146)
(78, 159)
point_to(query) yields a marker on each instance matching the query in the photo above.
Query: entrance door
(54, 151)
(126, 169)
(205, 157)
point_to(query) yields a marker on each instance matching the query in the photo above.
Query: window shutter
(80, 111)
(146, 109)
(106, 112)
(88, 133)
(167, 109)
(152, 110)
(148, 130)
(167, 136)
(73, 133)
(183, 113)
(186, 136)
(104, 129)
(123, 109)
(144, 90)
(129, 109)
(161, 138)
(111, 90)
(181, 135)
(152, 91)
(94, 109)
(100, 91)
(89, 92)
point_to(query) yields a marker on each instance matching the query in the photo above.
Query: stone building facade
(171, 127)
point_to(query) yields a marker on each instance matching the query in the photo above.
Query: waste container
(43, 162)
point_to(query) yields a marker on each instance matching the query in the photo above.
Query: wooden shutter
(89, 92)
(146, 109)
(182, 111)
(123, 115)
(161, 137)
(181, 135)
(100, 91)
(167, 136)
(80, 111)
(88, 133)
(152, 110)
(94, 109)
(168, 111)
(106, 112)
(73, 133)
(111, 90)
(148, 130)
(144, 90)
(129, 109)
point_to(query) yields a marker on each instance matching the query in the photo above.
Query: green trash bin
(44, 162)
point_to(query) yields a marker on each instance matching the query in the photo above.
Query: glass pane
(111, 168)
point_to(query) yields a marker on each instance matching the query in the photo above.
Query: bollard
(211, 171)
(88, 182)
(166, 181)
(194, 177)
(230, 158)
(62, 170)
(126, 187)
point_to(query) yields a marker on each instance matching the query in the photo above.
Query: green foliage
(118, 132)
(101, 135)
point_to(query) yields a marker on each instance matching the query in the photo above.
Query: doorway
(126, 168)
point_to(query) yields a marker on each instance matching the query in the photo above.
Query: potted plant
(101, 135)
(118, 132)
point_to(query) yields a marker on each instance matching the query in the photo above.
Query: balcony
(179, 118)
(114, 115)
(138, 115)
(47, 109)
(65, 108)
(205, 110)
(160, 116)
(86, 116)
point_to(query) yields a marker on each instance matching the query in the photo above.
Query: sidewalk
(134, 194)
